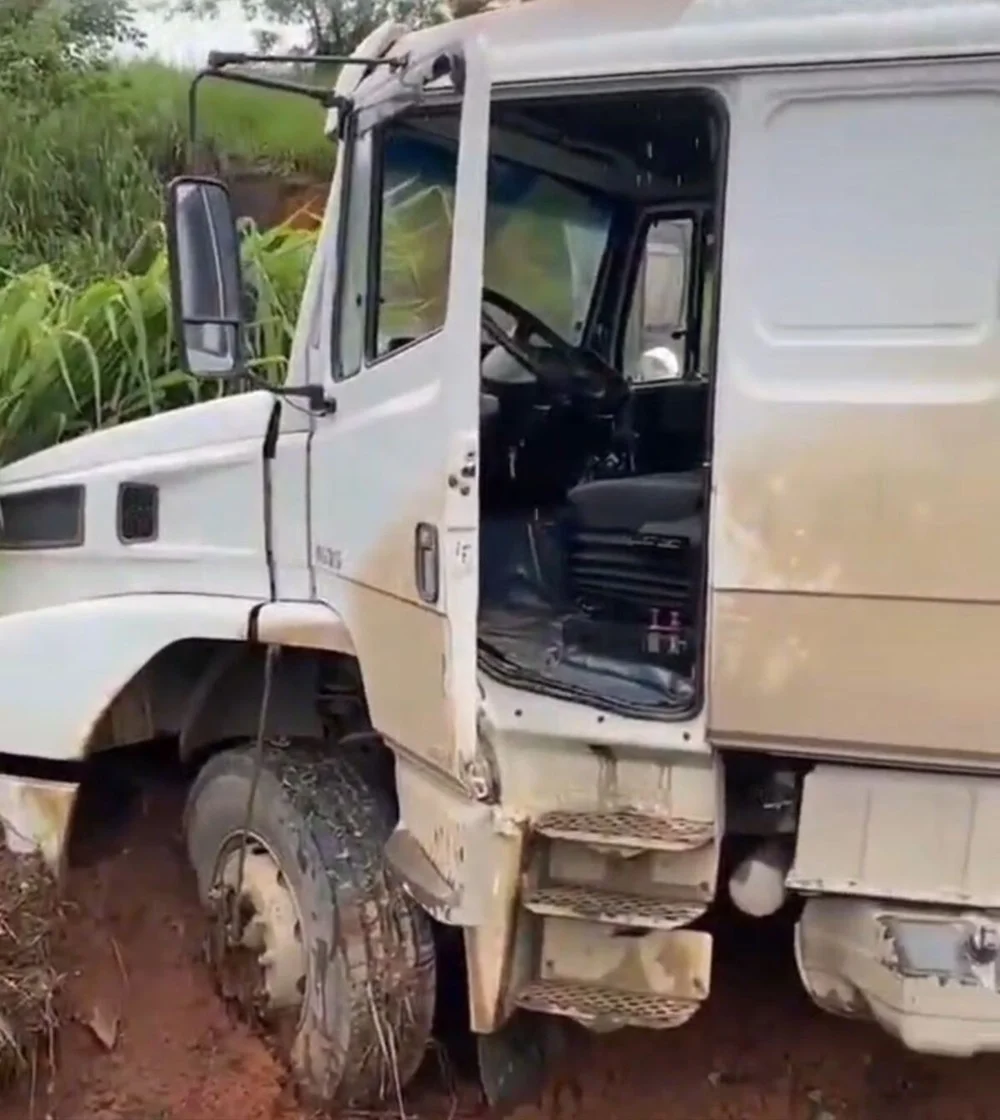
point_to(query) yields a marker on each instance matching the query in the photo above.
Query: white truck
(507, 611)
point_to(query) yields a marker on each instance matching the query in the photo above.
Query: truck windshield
(545, 238)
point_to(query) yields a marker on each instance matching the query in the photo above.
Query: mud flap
(515, 1061)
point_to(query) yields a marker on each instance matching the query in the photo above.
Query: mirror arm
(316, 399)
(327, 98)
(218, 59)
(318, 402)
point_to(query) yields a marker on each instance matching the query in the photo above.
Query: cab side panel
(856, 558)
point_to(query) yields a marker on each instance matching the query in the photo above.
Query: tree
(98, 24)
(265, 40)
(88, 26)
(333, 26)
(48, 47)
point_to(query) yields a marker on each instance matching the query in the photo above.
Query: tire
(368, 948)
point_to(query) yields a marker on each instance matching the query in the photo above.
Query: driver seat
(634, 544)
(629, 505)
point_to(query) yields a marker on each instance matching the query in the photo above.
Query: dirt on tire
(145, 1036)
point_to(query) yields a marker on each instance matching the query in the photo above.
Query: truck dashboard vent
(138, 512)
(52, 517)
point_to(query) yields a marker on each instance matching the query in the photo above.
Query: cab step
(604, 1008)
(616, 908)
(606, 978)
(625, 829)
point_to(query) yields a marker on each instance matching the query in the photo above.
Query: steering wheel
(527, 325)
(595, 377)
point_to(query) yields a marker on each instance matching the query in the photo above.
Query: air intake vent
(47, 518)
(138, 512)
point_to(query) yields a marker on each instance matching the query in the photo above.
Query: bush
(85, 331)
(76, 358)
(239, 125)
(75, 192)
(88, 145)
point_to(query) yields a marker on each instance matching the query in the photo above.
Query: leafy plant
(86, 339)
(89, 142)
(76, 358)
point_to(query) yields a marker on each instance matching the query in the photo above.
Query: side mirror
(659, 364)
(206, 286)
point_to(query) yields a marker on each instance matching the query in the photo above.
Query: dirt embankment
(146, 1038)
(272, 200)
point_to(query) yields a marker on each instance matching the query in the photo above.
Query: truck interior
(599, 305)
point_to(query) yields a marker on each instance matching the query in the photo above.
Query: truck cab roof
(566, 40)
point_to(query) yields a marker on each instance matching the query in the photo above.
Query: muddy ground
(145, 1037)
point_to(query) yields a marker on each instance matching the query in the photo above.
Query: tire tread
(385, 940)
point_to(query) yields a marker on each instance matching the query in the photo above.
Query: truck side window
(659, 314)
(412, 241)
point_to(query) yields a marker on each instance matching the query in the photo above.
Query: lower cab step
(602, 1008)
(618, 908)
(626, 829)
(606, 978)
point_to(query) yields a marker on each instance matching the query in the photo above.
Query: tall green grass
(240, 125)
(87, 147)
(82, 176)
(76, 191)
(75, 358)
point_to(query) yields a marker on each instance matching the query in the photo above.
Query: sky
(187, 41)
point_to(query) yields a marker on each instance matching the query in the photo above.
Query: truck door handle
(427, 557)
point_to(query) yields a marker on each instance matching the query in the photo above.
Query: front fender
(63, 665)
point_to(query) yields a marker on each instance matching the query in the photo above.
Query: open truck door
(394, 495)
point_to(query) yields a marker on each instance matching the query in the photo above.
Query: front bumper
(928, 975)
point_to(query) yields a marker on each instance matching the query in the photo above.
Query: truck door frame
(394, 502)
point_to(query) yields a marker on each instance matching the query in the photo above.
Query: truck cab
(629, 493)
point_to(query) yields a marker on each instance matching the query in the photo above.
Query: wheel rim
(261, 926)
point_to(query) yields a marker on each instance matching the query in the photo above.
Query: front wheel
(311, 935)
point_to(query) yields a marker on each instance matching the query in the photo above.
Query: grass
(76, 191)
(83, 177)
(85, 327)
(76, 358)
(242, 125)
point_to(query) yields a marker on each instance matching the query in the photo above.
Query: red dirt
(758, 1051)
(131, 955)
